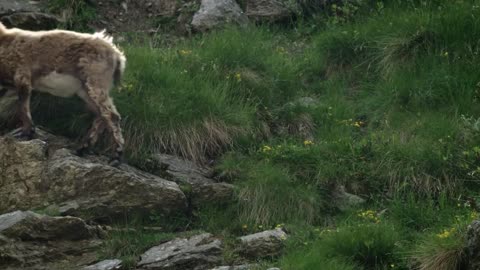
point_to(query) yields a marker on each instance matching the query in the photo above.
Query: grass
(384, 104)
(76, 14)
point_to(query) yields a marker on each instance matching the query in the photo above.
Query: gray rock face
(33, 241)
(235, 267)
(196, 253)
(26, 15)
(215, 13)
(263, 244)
(8, 6)
(203, 189)
(473, 245)
(344, 200)
(267, 10)
(28, 226)
(105, 265)
(30, 21)
(38, 173)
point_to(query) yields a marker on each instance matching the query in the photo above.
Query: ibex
(64, 64)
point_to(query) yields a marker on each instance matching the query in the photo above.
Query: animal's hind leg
(98, 93)
(97, 127)
(24, 88)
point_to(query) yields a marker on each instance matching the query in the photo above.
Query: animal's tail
(119, 69)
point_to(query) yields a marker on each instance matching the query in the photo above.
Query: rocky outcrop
(267, 10)
(105, 265)
(32, 241)
(235, 267)
(42, 173)
(196, 253)
(29, 15)
(202, 189)
(263, 244)
(215, 13)
(473, 245)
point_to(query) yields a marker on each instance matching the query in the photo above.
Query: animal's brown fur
(27, 58)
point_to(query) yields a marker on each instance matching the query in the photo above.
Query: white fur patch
(57, 84)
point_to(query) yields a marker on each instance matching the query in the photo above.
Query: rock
(215, 13)
(9, 6)
(105, 265)
(29, 226)
(163, 7)
(30, 21)
(473, 245)
(267, 10)
(39, 173)
(33, 241)
(263, 244)
(196, 253)
(306, 102)
(201, 189)
(236, 267)
(26, 15)
(344, 200)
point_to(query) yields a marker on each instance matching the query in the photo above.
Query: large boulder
(29, 226)
(268, 10)
(29, 15)
(202, 189)
(215, 13)
(195, 253)
(263, 244)
(32, 241)
(20, 6)
(40, 173)
(236, 267)
(473, 245)
(105, 265)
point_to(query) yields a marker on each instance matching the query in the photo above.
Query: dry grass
(196, 143)
(449, 259)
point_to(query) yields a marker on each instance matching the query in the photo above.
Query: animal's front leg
(24, 88)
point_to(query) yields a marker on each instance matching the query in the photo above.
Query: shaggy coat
(64, 64)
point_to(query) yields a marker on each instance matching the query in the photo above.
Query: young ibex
(64, 64)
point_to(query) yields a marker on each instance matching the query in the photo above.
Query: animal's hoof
(24, 135)
(82, 151)
(115, 162)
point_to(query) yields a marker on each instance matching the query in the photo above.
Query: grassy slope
(395, 119)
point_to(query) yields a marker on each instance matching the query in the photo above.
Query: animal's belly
(57, 84)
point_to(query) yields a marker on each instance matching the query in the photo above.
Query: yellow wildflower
(308, 142)
(185, 52)
(369, 215)
(244, 226)
(446, 233)
(266, 148)
(238, 77)
(280, 50)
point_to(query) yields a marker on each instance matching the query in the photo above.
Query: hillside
(355, 129)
